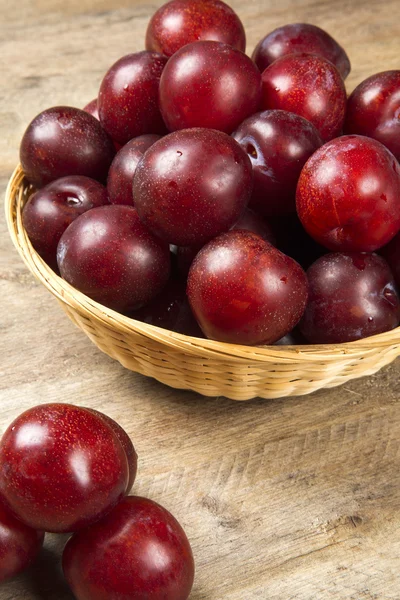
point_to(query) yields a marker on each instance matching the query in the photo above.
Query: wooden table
(293, 499)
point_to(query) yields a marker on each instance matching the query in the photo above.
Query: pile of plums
(66, 469)
(198, 186)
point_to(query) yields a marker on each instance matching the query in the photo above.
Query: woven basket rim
(16, 192)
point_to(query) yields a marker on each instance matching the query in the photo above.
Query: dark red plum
(250, 221)
(63, 141)
(180, 22)
(128, 97)
(352, 296)
(109, 255)
(192, 185)
(19, 545)
(126, 443)
(123, 167)
(373, 109)
(50, 210)
(92, 108)
(209, 84)
(278, 144)
(309, 86)
(296, 38)
(242, 290)
(170, 310)
(61, 468)
(138, 552)
(348, 195)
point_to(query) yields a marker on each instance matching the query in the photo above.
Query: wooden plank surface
(294, 499)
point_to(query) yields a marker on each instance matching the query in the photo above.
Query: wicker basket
(210, 368)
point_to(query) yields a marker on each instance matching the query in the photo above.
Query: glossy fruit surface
(352, 296)
(138, 552)
(123, 167)
(63, 141)
(242, 290)
(391, 253)
(192, 185)
(126, 443)
(209, 84)
(170, 310)
(61, 468)
(109, 255)
(309, 86)
(348, 195)
(92, 108)
(19, 545)
(373, 109)
(250, 221)
(181, 22)
(50, 210)
(278, 144)
(128, 97)
(296, 38)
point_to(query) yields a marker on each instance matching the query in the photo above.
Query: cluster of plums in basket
(67, 469)
(210, 193)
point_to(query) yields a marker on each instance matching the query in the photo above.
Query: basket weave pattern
(208, 367)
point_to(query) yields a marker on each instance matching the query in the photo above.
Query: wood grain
(294, 499)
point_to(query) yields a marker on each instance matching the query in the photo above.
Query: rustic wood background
(293, 499)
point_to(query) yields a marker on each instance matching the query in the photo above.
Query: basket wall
(204, 366)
